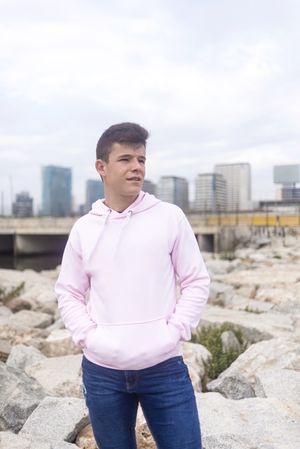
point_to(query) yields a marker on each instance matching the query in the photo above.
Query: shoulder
(81, 224)
(171, 210)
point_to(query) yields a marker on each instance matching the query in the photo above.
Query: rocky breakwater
(253, 403)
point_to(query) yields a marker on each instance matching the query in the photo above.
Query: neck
(119, 204)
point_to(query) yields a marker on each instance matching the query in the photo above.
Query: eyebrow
(131, 155)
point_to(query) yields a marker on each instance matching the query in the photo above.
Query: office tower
(93, 192)
(288, 176)
(149, 187)
(23, 205)
(290, 194)
(174, 190)
(56, 191)
(238, 185)
(210, 193)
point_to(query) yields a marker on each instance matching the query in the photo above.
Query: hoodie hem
(176, 351)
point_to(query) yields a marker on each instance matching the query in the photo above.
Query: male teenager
(130, 251)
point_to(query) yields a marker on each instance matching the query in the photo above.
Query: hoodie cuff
(87, 336)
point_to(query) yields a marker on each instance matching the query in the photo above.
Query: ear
(100, 167)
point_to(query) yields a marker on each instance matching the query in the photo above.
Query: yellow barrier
(256, 219)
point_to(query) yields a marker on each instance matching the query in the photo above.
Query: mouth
(134, 178)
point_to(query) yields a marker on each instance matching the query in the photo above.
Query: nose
(137, 165)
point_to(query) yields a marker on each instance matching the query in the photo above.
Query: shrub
(251, 310)
(7, 295)
(227, 255)
(210, 337)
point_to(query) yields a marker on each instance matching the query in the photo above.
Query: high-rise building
(93, 192)
(288, 176)
(23, 205)
(290, 194)
(238, 185)
(174, 190)
(56, 191)
(149, 187)
(210, 193)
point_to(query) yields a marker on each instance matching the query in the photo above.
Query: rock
(257, 257)
(143, 435)
(18, 335)
(290, 241)
(195, 356)
(243, 253)
(220, 293)
(19, 396)
(29, 318)
(5, 349)
(262, 423)
(17, 304)
(58, 324)
(5, 312)
(271, 276)
(85, 439)
(219, 266)
(230, 342)
(10, 440)
(233, 386)
(38, 289)
(57, 419)
(248, 291)
(22, 356)
(259, 327)
(240, 376)
(283, 384)
(285, 297)
(260, 242)
(250, 305)
(59, 376)
(59, 343)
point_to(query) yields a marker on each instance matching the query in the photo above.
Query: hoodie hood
(143, 202)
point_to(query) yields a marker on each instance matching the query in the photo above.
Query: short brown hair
(128, 133)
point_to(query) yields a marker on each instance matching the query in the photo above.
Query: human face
(123, 174)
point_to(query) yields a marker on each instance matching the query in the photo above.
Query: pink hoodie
(130, 262)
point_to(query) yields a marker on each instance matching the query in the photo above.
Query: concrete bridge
(48, 235)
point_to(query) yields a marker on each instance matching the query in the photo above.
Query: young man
(129, 251)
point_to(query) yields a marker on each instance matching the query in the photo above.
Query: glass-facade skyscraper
(93, 192)
(56, 191)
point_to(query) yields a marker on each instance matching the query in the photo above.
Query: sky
(214, 81)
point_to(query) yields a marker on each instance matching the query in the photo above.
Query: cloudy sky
(213, 80)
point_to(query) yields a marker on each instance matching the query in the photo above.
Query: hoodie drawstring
(118, 237)
(124, 224)
(100, 234)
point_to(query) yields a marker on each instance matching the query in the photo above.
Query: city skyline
(213, 82)
(228, 188)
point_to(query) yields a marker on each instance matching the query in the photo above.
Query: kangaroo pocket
(126, 345)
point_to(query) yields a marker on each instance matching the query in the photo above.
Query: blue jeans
(165, 394)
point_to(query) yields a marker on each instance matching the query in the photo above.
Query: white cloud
(213, 81)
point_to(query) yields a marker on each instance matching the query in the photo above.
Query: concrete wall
(39, 244)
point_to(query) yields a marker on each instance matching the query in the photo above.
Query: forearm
(70, 289)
